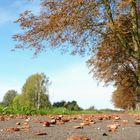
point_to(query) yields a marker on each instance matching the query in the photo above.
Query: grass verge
(51, 110)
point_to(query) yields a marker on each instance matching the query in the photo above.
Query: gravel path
(30, 126)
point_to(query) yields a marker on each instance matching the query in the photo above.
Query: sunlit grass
(51, 110)
(134, 111)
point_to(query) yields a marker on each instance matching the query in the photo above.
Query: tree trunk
(138, 86)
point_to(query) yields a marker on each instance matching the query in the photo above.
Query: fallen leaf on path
(41, 133)
(26, 123)
(28, 119)
(2, 118)
(53, 121)
(25, 127)
(78, 127)
(59, 117)
(78, 137)
(125, 121)
(117, 118)
(137, 122)
(12, 129)
(11, 116)
(18, 123)
(84, 123)
(66, 120)
(100, 118)
(113, 127)
(60, 122)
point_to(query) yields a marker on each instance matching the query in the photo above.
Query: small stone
(104, 134)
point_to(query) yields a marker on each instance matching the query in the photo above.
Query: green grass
(52, 110)
(134, 111)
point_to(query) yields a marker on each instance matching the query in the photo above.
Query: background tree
(91, 108)
(35, 91)
(44, 101)
(8, 97)
(73, 105)
(16, 101)
(59, 104)
(68, 105)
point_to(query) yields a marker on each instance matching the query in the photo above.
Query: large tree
(112, 63)
(85, 24)
(35, 91)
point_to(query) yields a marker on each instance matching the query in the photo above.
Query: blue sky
(68, 74)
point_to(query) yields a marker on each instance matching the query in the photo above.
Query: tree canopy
(109, 30)
(79, 22)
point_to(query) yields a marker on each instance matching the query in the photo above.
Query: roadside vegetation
(34, 99)
(51, 110)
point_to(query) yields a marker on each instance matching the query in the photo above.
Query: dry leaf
(12, 129)
(78, 137)
(78, 127)
(41, 133)
(137, 122)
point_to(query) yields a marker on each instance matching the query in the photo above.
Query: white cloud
(74, 83)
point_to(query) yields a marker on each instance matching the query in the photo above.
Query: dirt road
(95, 127)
